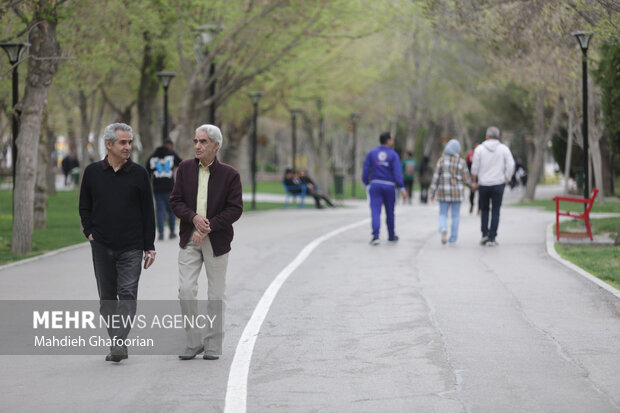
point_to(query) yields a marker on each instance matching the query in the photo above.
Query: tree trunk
(84, 130)
(42, 65)
(617, 241)
(152, 62)
(40, 195)
(52, 165)
(594, 138)
(542, 139)
(569, 148)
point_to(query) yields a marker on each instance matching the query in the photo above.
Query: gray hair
(213, 132)
(493, 132)
(110, 131)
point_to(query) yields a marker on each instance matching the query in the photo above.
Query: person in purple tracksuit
(382, 176)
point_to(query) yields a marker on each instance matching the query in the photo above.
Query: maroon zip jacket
(224, 202)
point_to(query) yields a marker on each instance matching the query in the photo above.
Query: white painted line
(551, 251)
(236, 391)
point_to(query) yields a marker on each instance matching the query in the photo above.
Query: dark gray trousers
(117, 275)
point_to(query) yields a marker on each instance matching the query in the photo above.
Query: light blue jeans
(443, 219)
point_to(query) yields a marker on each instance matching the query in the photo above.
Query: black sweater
(117, 207)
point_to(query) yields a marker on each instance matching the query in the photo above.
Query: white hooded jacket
(493, 163)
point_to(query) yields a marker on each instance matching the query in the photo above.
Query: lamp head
(255, 96)
(165, 78)
(14, 50)
(583, 38)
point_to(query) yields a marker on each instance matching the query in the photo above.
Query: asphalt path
(415, 326)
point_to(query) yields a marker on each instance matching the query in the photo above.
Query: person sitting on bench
(294, 182)
(312, 189)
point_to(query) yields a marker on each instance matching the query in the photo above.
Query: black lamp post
(15, 51)
(255, 96)
(294, 113)
(205, 35)
(355, 117)
(584, 39)
(165, 78)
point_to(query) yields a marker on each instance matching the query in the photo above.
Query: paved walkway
(416, 326)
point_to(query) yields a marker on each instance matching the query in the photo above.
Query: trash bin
(579, 178)
(75, 176)
(339, 185)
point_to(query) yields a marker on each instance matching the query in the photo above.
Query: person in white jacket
(492, 167)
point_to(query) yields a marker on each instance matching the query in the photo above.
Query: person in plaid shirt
(451, 174)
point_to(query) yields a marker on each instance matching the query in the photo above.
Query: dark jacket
(161, 166)
(224, 202)
(117, 207)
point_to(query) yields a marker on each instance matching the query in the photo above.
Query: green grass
(276, 187)
(63, 224)
(599, 226)
(62, 229)
(549, 205)
(601, 261)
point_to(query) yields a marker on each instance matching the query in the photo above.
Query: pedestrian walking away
(450, 176)
(491, 169)
(472, 192)
(425, 175)
(382, 176)
(207, 199)
(116, 209)
(161, 166)
(409, 166)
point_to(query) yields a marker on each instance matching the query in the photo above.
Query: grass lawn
(275, 187)
(601, 261)
(62, 229)
(549, 205)
(63, 224)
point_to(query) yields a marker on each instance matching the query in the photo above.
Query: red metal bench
(585, 215)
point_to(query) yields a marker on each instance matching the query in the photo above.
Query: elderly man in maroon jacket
(207, 199)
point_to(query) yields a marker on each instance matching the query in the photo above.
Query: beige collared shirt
(203, 186)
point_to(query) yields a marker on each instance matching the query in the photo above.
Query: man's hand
(403, 193)
(90, 237)
(198, 237)
(202, 224)
(432, 198)
(149, 258)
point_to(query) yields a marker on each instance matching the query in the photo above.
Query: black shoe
(173, 235)
(117, 353)
(374, 241)
(208, 356)
(190, 353)
(161, 237)
(393, 239)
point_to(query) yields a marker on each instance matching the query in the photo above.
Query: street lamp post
(15, 51)
(255, 96)
(165, 78)
(294, 113)
(355, 117)
(205, 35)
(584, 39)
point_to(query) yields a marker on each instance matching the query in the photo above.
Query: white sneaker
(492, 244)
(484, 240)
(444, 236)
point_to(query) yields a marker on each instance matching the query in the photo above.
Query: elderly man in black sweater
(116, 208)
